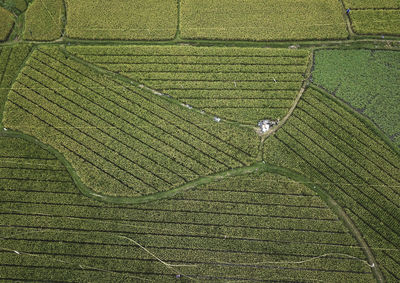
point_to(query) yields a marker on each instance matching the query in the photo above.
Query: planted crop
(241, 84)
(102, 19)
(334, 148)
(6, 23)
(367, 80)
(262, 20)
(44, 20)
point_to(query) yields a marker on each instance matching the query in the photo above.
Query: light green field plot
(103, 19)
(240, 84)
(326, 142)
(6, 23)
(21, 5)
(262, 20)
(367, 80)
(44, 20)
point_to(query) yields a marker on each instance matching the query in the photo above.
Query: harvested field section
(121, 140)
(329, 144)
(190, 236)
(240, 84)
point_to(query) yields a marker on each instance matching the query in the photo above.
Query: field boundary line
(347, 19)
(178, 20)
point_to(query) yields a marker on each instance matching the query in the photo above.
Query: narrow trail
(294, 105)
(260, 167)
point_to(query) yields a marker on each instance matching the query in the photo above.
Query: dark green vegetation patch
(368, 80)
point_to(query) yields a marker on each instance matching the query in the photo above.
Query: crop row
(196, 60)
(241, 71)
(62, 102)
(189, 51)
(336, 149)
(202, 239)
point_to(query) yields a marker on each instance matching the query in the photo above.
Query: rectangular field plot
(262, 20)
(376, 21)
(240, 84)
(102, 19)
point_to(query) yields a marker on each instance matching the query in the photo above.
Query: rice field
(209, 141)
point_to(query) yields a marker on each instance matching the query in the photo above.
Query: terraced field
(207, 141)
(244, 227)
(238, 84)
(11, 61)
(121, 140)
(331, 146)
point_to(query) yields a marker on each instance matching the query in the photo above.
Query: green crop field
(6, 23)
(44, 20)
(374, 17)
(327, 143)
(101, 19)
(367, 80)
(261, 20)
(242, 227)
(11, 61)
(204, 141)
(238, 84)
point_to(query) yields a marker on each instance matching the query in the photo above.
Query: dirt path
(296, 101)
(357, 234)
